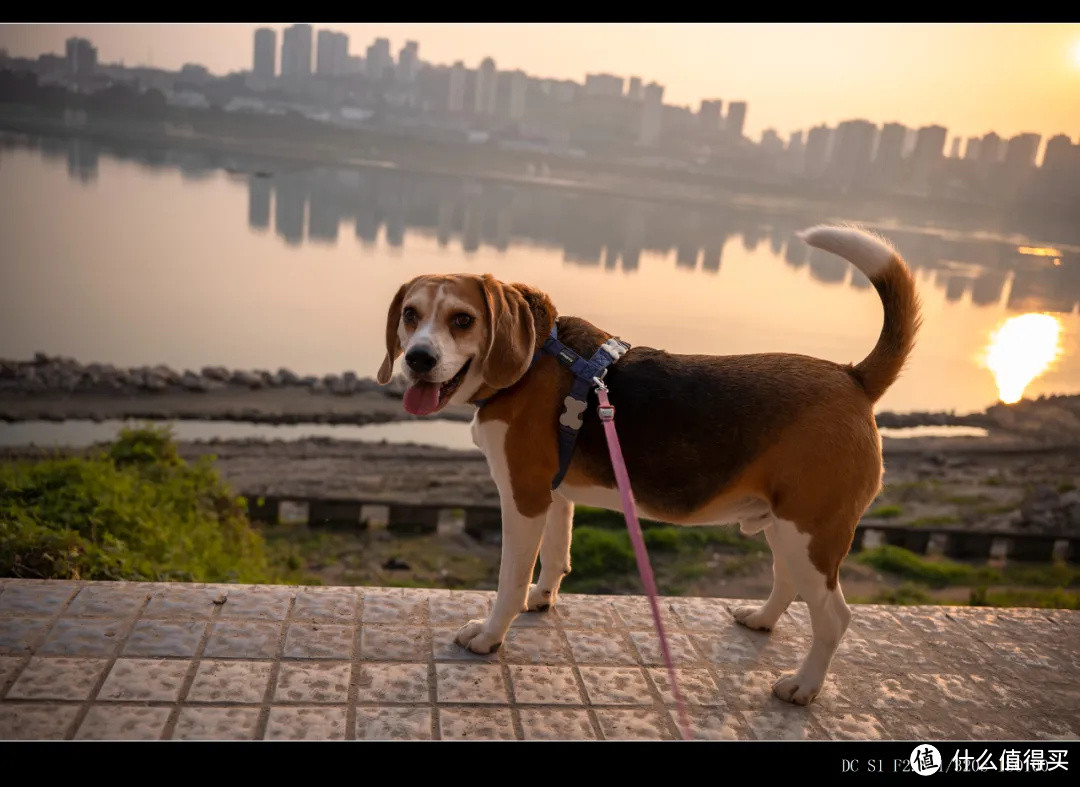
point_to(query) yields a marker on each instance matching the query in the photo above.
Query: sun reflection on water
(1020, 350)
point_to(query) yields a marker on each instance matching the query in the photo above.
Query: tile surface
(100, 660)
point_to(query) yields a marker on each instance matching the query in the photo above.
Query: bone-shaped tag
(573, 409)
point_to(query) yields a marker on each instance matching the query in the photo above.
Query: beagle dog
(781, 443)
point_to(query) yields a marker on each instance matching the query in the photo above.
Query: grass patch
(934, 521)
(1009, 597)
(1066, 486)
(134, 511)
(1058, 575)
(907, 594)
(936, 573)
(886, 511)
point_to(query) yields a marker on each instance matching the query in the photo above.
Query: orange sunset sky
(972, 78)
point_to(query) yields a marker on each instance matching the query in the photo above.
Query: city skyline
(990, 73)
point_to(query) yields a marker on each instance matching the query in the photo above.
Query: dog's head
(460, 333)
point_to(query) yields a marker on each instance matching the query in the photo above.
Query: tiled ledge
(133, 660)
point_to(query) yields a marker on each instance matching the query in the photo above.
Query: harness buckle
(606, 412)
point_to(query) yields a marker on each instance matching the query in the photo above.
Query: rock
(1039, 501)
(341, 386)
(153, 382)
(217, 373)
(249, 379)
(396, 387)
(193, 382)
(1070, 510)
(165, 373)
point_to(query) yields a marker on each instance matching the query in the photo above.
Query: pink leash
(607, 415)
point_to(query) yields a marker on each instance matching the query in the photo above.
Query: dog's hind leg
(763, 618)
(554, 555)
(829, 613)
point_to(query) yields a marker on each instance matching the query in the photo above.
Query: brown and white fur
(780, 443)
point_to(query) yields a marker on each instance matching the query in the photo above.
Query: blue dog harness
(587, 375)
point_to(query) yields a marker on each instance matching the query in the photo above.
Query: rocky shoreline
(57, 388)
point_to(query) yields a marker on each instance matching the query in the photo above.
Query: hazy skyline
(971, 78)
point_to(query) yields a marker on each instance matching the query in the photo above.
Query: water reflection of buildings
(612, 233)
(606, 232)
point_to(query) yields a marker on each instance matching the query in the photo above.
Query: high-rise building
(332, 54)
(795, 153)
(486, 88)
(652, 109)
(890, 152)
(408, 63)
(455, 100)
(378, 61)
(927, 154)
(1059, 154)
(264, 64)
(971, 152)
(519, 84)
(850, 158)
(818, 143)
(771, 144)
(954, 150)
(633, 90)
(736, 119)
(709, 115)
(991, 149)
(603, 85)
(929, 144)
(296, 52)
(1020, 151)
(81, 56)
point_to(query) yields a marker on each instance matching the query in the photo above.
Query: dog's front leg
(520, 546)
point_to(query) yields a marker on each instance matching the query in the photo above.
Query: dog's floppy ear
(393, 346)
(519, 319)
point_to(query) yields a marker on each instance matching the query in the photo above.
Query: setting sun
(1020, 350)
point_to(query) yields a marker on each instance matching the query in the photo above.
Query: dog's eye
(409, 315)
(463, 320)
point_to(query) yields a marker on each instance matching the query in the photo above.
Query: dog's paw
(540, 600)
(752, 618)
(796, 689)
(474, 636)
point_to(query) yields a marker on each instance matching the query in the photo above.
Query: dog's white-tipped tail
(886, 270)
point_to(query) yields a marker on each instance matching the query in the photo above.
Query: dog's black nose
(421, 360)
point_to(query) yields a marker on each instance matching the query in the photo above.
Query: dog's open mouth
(424, 398)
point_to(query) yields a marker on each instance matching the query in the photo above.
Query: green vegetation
(136, 512)
(908, 593)
(1015, 585)
(886, 512)
(934, 521)
(936, 573)
(1046, 599)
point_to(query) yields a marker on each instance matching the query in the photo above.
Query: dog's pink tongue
(421, 398)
